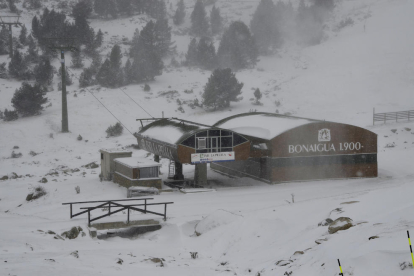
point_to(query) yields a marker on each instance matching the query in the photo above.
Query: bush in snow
(10, 115)
(115, 130)
(28, 100)
(147, 88)
(38, 192)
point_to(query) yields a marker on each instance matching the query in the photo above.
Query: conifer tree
(215, 20)
(43, 72)
(179, 15)
(264, 27)
(199, 21)
(103, 77)
(81, 12)
(23, 35)
(258, 95)
(4, 38)
(237, 48)
(206, 54)
(28, 100)
(32, 53)
(162, 32)
(125, 7)
(36, 27)
(191, 57)
(99, 38)
(222, 88)
(77, 61)
(17, 66)
(86, 78)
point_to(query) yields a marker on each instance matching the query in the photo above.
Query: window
(201, 143)
(148, 172)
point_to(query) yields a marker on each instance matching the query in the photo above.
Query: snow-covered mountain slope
(357, 68)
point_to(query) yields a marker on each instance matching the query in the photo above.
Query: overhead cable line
(104, 106)
(126, 94)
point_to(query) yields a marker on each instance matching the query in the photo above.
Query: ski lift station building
(266, 146)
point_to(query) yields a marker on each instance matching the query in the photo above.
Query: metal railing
(113, 204)
(392, 116)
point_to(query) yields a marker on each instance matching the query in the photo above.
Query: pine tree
(23, 35)
(17, 66)
(115, 60)
(4, 38)
(222, 88)
(264, 27)
(77, 61)
(44, 72)
(206, 54)
(104, 8)
(309, 24)
(215, 20)
(258, 95)
(128, 77)
(125, 7)
(199, 21)
(28, 100)
(99, 39)
(179, 15)
(86, 78)
(68, 78)
(162, 32)
(32, 53)
(81, 12)
(104, 74)
(36, 32)
(237, 48)
(147, 64)
(192, 53)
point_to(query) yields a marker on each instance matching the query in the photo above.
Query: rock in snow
(341, 223)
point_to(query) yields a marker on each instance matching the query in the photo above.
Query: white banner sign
(212, 157)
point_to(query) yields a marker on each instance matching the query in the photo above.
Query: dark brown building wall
(344, 139)
(242, 152)
(283, 174)
(184, 154)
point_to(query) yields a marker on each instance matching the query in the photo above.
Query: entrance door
(214, 144)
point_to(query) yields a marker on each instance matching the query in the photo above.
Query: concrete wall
(108, 164)
(128, 182)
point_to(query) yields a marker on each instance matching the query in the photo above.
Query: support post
(89, 217)
(156, 158)
(109, 209)
(373, 116)
(200, 174)
(145, 206)
(65, 123)
(165, 212)
(70, 210)
(178, 171)
(128, 216)
(11, 41)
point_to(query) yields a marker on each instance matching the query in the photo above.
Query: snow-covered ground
(246, 226)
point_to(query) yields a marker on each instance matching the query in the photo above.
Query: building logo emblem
(324, 135)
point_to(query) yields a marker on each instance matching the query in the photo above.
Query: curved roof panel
(261, 124)
(171, 131)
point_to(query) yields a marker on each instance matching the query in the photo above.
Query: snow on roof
(136, 162)
(167, 134)
(262, 125)
(115, 151)
(170, 131)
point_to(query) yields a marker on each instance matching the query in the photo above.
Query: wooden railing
(392, 116)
